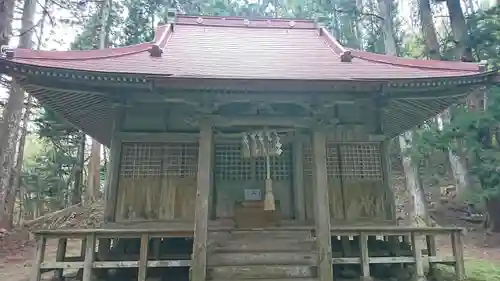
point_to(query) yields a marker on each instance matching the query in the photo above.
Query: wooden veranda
(345, 253)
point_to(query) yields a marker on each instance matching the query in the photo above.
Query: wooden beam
(158, 137)
(322, 206)
(291, 136)
(204, 180)
(298, 179)
(110, 192)
(282, 121)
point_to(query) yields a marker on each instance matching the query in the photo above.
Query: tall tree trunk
(6, 17)
(459, 30)
(385, 8)
(413, 183)
(19, 162)
(93, 181)
(94, 174)
(432, 46)
(428, 30)
(12, 118)
(76, 196)
(359, 24)
(457, 163)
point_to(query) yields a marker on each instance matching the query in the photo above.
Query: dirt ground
(16, 266)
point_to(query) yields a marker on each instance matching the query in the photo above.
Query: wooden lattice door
(236, 176)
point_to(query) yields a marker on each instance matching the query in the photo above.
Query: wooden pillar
(419, 259)
(111, 188)
(204, 180)
(143, 258)
(298, 180)
(111, 184)
(386, 176)
(60, 255)
(365, 257)
(88, 263)
(458, 253)
(39, 256)
(322, 206)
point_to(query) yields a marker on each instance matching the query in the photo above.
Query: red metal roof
(216, 47)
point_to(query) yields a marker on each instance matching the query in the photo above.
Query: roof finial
(155, 51)
(6, 52)
(346, 56)
(171, 14)
(483, 65)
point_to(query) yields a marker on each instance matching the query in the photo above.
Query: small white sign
(253, 195)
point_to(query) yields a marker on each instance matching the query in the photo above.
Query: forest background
(47, 165)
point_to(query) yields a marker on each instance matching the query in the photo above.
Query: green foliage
(46, 175)
(140, 22)
(473, 134)
(484, 29)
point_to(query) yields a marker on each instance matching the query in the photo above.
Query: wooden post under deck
(204, 180)
(321, 206)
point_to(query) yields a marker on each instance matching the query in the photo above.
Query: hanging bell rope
(263, 144)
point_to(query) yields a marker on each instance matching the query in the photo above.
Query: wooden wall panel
(157, 182)
(356, 189)
(156, 198)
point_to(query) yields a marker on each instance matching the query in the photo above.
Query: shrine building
(245, 149)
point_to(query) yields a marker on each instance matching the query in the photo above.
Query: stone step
(264, 245)
(262, 258)
(261, 271)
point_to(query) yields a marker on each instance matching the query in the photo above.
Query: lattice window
(141, 160)
(361, 161)
(307, 161)
(230, 164)
(281, 166)
(180, 160)
(159, 159)
(332, 160)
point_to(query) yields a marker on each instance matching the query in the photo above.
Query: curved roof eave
(217, 47)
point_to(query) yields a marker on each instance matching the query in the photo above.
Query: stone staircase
(264, 255)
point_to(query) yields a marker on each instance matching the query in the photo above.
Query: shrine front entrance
(240, 184)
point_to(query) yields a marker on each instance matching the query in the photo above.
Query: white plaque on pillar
(253, 195)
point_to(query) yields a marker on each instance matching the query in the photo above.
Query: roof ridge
(416, 63)
(178, 16)
(160, 34)
(245, 22)
(331, 41)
